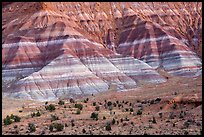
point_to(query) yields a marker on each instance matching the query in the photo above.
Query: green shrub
(131, 110)
(139, 112)
(61, 102)
(108, 127)
(79, 106)
(71, 100)
(109, 103)
(113, 121)
(83, 130)
(46, 103)
(7, 120)
(78, 111)
(38, 114)
(17, 119)
(31, 127)
(51, 127)
(174, 106)
(54, 117)
(94, 115)
(51, 107)
(160, 114)
(154, 120)
(94, 103)
(97, 108)
(58, 126)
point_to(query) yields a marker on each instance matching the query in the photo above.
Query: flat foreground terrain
(175, 105)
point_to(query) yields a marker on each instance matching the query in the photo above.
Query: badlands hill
(72, 49)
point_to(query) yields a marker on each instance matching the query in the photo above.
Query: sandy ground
(183, 91)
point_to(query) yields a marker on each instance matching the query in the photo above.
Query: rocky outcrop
(56, 52)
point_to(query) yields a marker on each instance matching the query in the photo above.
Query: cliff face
(78, 48)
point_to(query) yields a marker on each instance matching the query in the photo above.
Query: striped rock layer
(51, 52)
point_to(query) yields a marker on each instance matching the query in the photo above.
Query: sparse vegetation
(7, 120)
(56, 126)
(154, 120)
(113, 121)
(97, 108)
(61, 102)
(108, 127)
(31, 127)
(174, 106)
(50, 107)
(46, 103)
(10, 119)
(79, 106)
(78, 112)
(94, 103)
(54, 117)
(160, 114)
(94, 115)
(139, 112)
(71, 100)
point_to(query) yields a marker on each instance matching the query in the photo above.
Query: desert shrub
(78, 112)
(7, 120)
(117, 101)
(113, 121)
(83, 130)
(104, 117)
(46, 103)
(108, 127)
(94, 115)
(71, 100)
(61, 102)
(121, 120)
(58, 126)
(85, 101)
(174, 106)
(51, 107)
(139, 112)
(72, 123)
(54, 117)
(126, 109)
(79, 106)
(17, 119)
(154, 120)
(131, 110)
(160, 114)
(109, 103)
(97, 108)
(65, 106)
(38, 114)
(94, 103)
(114, 104)
(130, 104)
(33, 114)
(31, 127)
(152, 102)
(181, 115)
